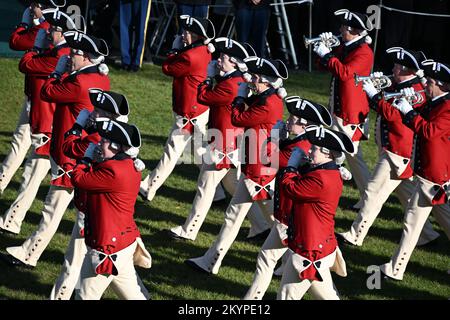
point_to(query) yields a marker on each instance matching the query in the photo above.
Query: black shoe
(172, 235)
(342, 241)
(10, 260)
(260, 236)
(195, 266)
(125, 67)
(143, 196)
(4, 231)
(430, 244)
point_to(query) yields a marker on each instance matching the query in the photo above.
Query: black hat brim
(308, 110)
(332, 140)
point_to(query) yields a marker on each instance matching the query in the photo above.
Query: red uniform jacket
(71, 95)
(188, 69)
(112, 187)
(22, 39)
(432, 152)
(74, 146)
(282, 203)
(395, 136)
(350, 101)
(38, 67)
(219, 99)
(315, 193)
(263, 112)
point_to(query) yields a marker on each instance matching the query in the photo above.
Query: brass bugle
(380, 83)
(332, 42)
(415, 99)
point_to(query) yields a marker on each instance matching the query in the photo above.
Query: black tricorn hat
(308, 110)
(436, 70)
(200, 26)
(88, 44)
(330, 139)
(354, 19)
(266, 67)
(59, 19)
(231, 48)
(120, 132)
(109, 101)
(408, 58)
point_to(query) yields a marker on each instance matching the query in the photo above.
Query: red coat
(74, 147)
(112, 187)
(22, 39)
(315, 194)
(38, 67)
(283, 204)
(263, 112)
(188, 69)
(350, 101)
(396, 137)
(219, 99)
(71, 95)
(432, 152)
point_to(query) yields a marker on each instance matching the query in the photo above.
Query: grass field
(149, 94)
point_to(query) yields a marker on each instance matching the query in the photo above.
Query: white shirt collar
(228, 72)
(61, 43)
(85, 67)
(354, 40)
(409, 79)
(435, 98)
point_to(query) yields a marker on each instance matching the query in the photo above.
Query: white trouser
(127, 284)
(208, 179)
(36, 168)
(356, 163)
(378, 189)
(56, 202)
(271, 251)
(175, 145)
(73, 260)
(358, 167)
(234, 216)
(21, 142)
(416, 214)
(292, 287)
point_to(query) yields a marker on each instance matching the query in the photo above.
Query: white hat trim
(400, 54)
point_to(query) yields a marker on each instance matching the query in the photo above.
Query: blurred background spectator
(134, 15)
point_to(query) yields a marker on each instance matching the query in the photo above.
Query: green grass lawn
(149, 94)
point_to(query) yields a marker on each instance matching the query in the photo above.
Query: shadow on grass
(354, 285)
(23, 280)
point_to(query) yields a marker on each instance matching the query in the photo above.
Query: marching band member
(302, 112)
(187, 65)
(315, 189)
(70, 92)
(38, 64)
(257, 115)
(113, 241)
(107, 105)
(22, 39)
(221, 160)
(431, 164)
(349, 104)
(393, 171)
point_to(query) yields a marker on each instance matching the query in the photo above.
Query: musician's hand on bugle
(402, 105)
(321, 49)
(369, 88)
(408, 92)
